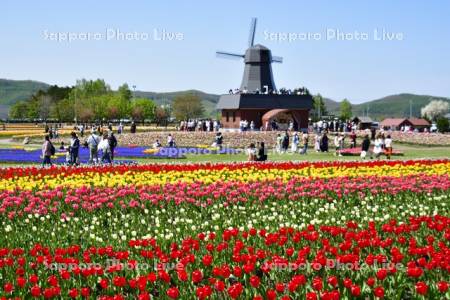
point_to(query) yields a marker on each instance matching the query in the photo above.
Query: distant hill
(389, 106)
(12, 91)
(209, 100)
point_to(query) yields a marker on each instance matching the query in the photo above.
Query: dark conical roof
(259, 47)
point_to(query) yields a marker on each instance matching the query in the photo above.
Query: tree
(346, 110)
(319, 106)
(162, 115)
(86, 88)
(125, 92)
(435, 109)
(142, 109)
(442, 124)
(19, 110)
(45, 102)
(63, 110)
(118, 107)
(187, 106)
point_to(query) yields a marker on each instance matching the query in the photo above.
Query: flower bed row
(327, 262)
(333, 230)
(33, 178)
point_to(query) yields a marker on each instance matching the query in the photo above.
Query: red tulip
(271, 294)
(85, 292)
(355, 290)
(381, 274)
(378, 292)
(8, 287)
(21, 282)
(219, 285)
(421, 288)
(35, 291)
(173, 293)
(254, 281)
(197, 276)
(207, 260)
(73, 293)
(235, 290)
(347, 282)
(333, 281)
(317, 283)
(442, 286)
(279, 287)
(144, 296)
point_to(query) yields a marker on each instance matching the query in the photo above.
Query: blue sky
(359, 70)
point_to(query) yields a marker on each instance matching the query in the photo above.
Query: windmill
(258, 64)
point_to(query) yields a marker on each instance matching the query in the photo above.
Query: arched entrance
(280, 117)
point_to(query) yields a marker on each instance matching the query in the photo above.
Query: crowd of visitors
(199, 125)
(99, 141)
(282, 91)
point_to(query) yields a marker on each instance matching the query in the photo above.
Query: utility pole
(320, 104)
(410, 108)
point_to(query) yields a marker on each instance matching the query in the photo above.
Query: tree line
(94, 100)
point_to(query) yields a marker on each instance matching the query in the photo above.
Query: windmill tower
(258, 64)
(261, 104)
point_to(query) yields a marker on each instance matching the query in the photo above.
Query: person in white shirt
(388, 146)
(295, 142)
(170, 141)
(317, 142)
(336, 144)
(105, 148)
(157, 144)
(378, 147)
(251, 152)
(93, 141)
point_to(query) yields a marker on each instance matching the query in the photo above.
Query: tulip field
(275, 230)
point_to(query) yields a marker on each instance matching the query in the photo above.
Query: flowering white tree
(435, 109)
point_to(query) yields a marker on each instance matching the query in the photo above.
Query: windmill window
(234, 116)
(228, 116)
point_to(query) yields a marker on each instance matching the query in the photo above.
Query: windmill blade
(251, 37)
(229, 55)
(277, 59)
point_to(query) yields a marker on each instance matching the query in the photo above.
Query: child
(388, 146)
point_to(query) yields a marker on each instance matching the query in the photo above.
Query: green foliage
(209, 101)
(42, 104)
(18, 110)
(442, 124)
(64, 110)
(125, 92)
(345, 110)
(89, 100)
(143, 109)
(319, 106)
(187, 106)
(118, 107)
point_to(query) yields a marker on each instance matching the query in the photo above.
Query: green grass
(410, 152)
